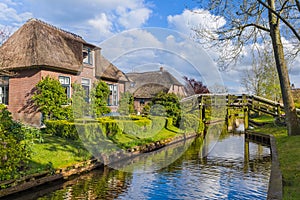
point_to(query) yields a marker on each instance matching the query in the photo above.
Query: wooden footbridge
(242, 103)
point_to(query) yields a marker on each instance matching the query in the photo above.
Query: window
(4, 89)
(113, 95)
(85, 83)
(65, 81)
(87, 56)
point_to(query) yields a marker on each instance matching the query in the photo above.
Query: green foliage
(79, 104)
(169, 104)
(15, 143)
(100, 95)
(190, 122)
(62, 128)
(146, 110)
(50, 97)
(126, 106)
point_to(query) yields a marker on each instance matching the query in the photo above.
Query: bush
(15, 140)
(100, 94)
(50, 98)
(62, 128)
(137, 126)
(190, 122)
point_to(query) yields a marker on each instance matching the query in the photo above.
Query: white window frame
(113, 98)
(90, 57)
(88, 84)
(66, 84)
(4, 90)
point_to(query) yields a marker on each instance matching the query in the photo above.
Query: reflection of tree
(106, 184)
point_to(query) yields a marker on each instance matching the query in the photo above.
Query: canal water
(223, 167)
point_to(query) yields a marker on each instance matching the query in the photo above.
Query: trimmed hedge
(139, 127)
(62, 128)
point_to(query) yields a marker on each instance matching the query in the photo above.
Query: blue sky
(98, 21)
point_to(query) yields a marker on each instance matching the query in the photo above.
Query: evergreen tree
(100, 95)
(50, 98)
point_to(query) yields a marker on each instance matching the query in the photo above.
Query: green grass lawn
(288, 148)
(56, 152)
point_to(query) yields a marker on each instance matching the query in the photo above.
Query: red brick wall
(21, 89)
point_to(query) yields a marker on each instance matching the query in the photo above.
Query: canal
(222, 166)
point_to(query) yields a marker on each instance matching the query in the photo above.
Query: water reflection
(223, 167)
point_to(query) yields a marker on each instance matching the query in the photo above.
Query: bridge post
(278, 110)
(246, 118)
(246, 111)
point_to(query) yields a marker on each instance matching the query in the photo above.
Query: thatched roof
(149, 91)
(37, 43)
(109, 71)
(160, 79)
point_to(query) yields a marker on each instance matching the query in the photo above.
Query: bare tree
(4, 35)
(262, 79)
(248, 24)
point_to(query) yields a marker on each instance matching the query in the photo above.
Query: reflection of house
(38, 49)
(144, 86)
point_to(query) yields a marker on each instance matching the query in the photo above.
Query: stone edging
(45, 177)
(275, 181)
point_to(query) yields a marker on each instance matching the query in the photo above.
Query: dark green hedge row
(139, 127)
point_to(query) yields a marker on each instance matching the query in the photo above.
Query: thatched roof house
(39, 44)
(38, 49)
(144, 86)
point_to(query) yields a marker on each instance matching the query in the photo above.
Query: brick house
(146, 85)
(37, 50)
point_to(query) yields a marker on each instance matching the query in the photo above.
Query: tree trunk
(293, 124)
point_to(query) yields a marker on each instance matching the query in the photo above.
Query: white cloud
(134, 18)
(10, 15)
(102, 25)
(106, 16)
(149, 48)
(191, 19)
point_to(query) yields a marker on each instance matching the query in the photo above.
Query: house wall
(138, 106)
(21, 89)
(178, 90)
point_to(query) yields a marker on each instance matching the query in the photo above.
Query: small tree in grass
(169, 103)
(50, 98)
(99, 98)
(79, 101)
(126, 106)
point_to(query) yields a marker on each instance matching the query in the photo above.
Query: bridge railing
(253, 102)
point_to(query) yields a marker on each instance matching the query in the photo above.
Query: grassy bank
(56, 152)
(288, 148)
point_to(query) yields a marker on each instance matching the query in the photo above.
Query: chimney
(98, 69)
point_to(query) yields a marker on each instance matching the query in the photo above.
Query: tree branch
(281, 18)
(256, 26)
(298, 4)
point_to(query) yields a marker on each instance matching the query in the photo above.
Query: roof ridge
(55, 28)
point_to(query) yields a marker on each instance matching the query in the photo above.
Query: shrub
(126, 106)
(99, 98)
(50, 97)
(62, 128)
(15, 140)
(170, 104)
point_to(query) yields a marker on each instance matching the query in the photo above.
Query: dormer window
(87, 56)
